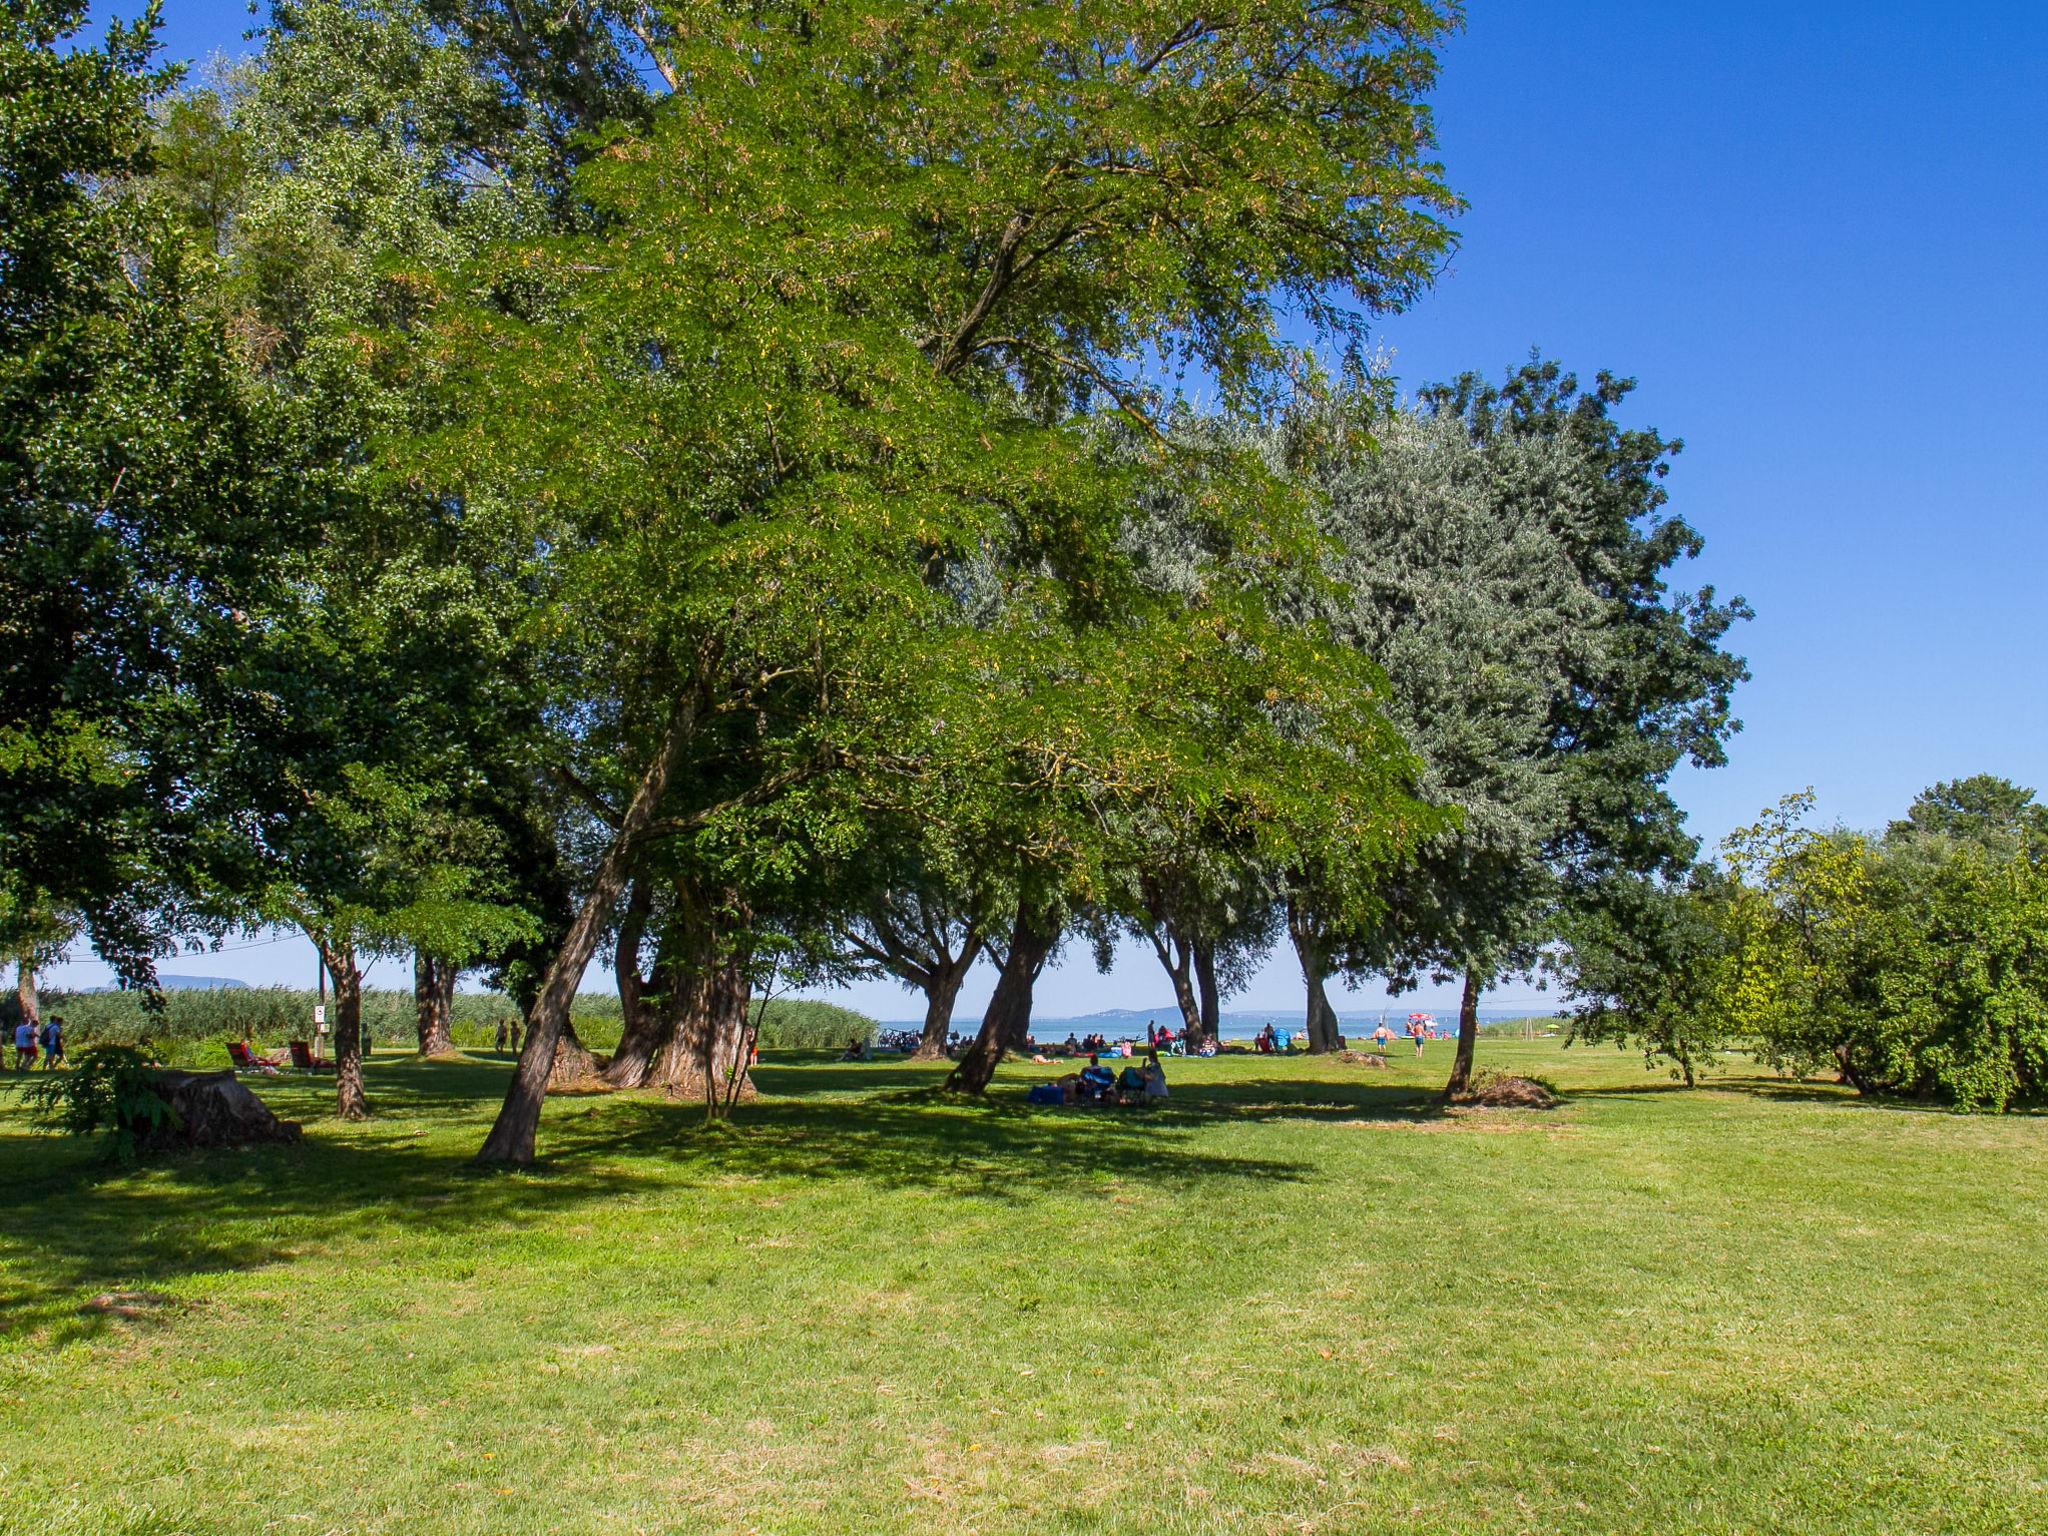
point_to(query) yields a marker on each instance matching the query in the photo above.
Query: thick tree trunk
(705, 1059)
(573, 1061)
(645, 1036)
(941, 992)
(1176, 958)
(1468, 1037)
(433, 995)
(25, 991)
(512, 1135)
(1008, 1017)
(350, 1101)
(1211, 998)
(1323, 1031)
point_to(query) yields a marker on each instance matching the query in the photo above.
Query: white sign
(319, 1013)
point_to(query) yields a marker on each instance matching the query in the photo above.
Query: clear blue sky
(1818, 236)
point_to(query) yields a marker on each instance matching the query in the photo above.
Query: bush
(109, 1091)
(1913, 964)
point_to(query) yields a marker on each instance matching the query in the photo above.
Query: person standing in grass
(501, 1037)
(53, 1042)
(24, 1046)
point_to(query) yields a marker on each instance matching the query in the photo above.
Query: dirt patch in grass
(128, 1305)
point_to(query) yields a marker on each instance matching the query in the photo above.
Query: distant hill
(198, 983)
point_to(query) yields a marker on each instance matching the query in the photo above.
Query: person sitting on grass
(1097, 1080)
(1130, 1084)
(1152, 1078)
(1072, 1047)
(856, 1050)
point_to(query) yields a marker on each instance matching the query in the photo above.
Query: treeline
(190, 1022)
(1911, 962)
(712, 485)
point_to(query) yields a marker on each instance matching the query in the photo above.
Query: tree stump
(213, 1110)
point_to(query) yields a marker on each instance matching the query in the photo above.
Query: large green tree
(1507, 559)
(138, 505)
(793, 420)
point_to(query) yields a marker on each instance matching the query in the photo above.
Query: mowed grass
(1298, 1299)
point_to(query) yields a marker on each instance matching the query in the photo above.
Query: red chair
(303, 1059)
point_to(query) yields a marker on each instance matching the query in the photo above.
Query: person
(24, 1046)
(856, 1050)
(1096, 1079)
(53, 1043)
(1418, 1039)
(1153, 1078)
(1263, 1041)
(1382, 1037)
(501, 1037)
(1073, 1046)
(1129, 1082)
(512, 1034)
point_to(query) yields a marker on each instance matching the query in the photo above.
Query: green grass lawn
(1298, 1299)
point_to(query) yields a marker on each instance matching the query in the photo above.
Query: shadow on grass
(74, 1224)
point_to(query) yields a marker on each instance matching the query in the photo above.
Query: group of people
(508, 1031)
(1418, 1031)
(28, 1038)
(1097, 1084)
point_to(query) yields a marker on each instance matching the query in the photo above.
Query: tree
(137, 505)
(927, 942)
(812, 369)
(1910, 965)
(1450, 569)
(1654, 967)
(1541, 666)
(1995, 814)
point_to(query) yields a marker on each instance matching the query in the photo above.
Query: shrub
(109, 1091)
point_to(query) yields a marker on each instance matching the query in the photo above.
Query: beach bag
(1044, 1093)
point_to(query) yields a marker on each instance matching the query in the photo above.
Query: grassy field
(1299, 1299)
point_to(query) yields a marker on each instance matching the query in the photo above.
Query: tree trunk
(1008, 1017)
(1211, 998)
(1468, 1036)
(644, 1038)
(626, 956)
(1176, 957)
(512, 1135)
(350, 1101)
(25, 990)
(646, 1026)
(1323, 1032)
(433, 995)
(704, 1059)
(573, 1061)
(941, 992)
